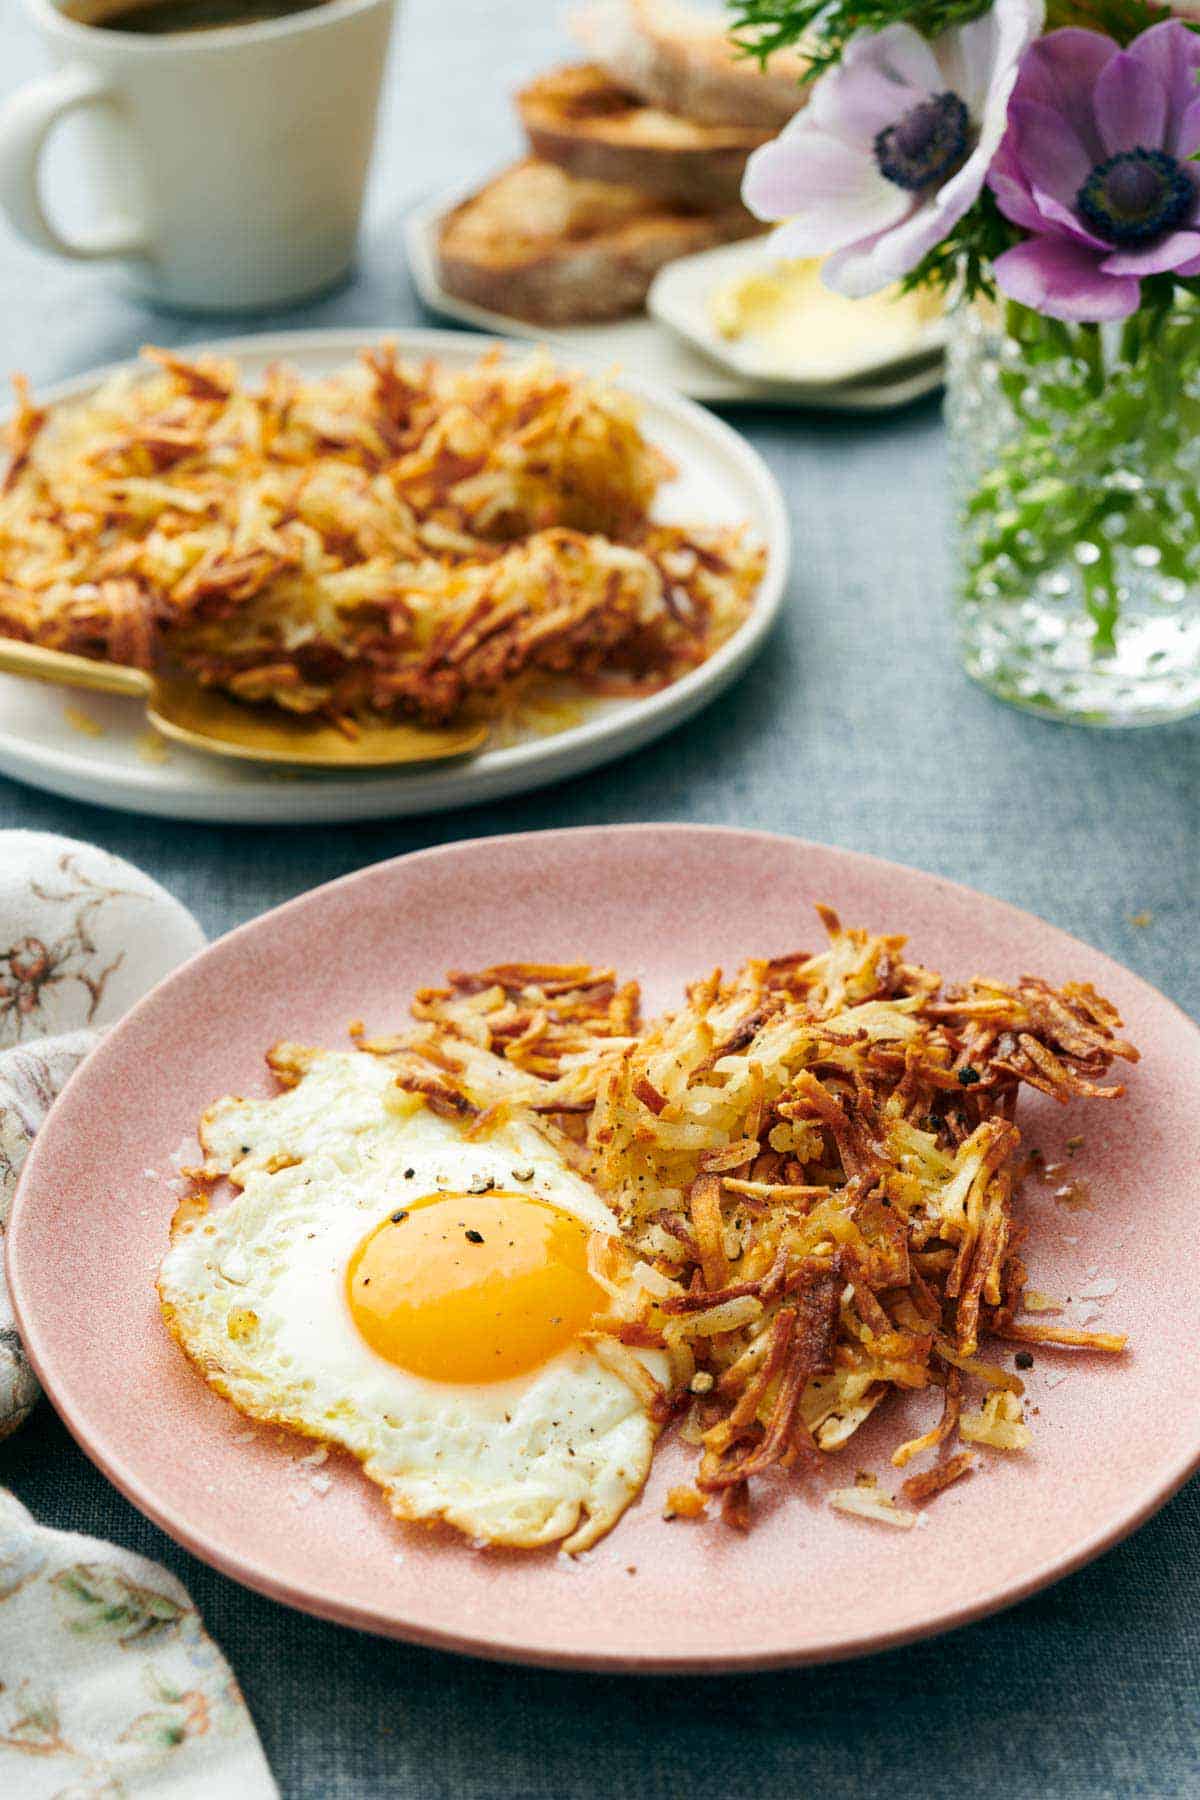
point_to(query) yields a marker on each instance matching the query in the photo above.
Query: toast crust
(683, 62)
(545, 246)
(580, 119)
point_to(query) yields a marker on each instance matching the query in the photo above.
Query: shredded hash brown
(816, 1170)
(394, 539)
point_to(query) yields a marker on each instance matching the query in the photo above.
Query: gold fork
(204, 719)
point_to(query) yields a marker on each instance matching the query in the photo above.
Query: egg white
(254, 1291)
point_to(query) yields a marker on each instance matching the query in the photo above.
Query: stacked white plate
(676, 344)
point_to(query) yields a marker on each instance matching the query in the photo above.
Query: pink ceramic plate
(1113, 1440)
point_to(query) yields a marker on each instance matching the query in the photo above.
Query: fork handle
(39, 664)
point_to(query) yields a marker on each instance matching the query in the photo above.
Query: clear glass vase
(1075, 455)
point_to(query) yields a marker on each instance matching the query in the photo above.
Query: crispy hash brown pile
(814, 1167)
(397, 539)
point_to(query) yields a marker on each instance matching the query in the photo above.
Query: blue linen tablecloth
(856, 728)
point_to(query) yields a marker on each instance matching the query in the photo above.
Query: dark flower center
(1136, 197)
(926, 145)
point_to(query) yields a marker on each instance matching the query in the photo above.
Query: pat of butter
(788, 310)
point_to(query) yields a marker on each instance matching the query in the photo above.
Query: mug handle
(26, 121)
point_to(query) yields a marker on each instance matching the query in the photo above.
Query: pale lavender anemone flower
(893, 147)
(1094, 164)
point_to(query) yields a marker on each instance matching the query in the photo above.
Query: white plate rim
(667, 302)
(494, 774)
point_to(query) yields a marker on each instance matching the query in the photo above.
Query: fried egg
(383, 1282)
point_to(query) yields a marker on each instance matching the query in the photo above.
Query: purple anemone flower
(1095, 165)
(893, 147)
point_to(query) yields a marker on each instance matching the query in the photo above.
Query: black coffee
(161, 18)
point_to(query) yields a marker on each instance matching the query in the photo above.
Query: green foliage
(1119, 19)
(962, 262)
(1096, 456)
(824, 27)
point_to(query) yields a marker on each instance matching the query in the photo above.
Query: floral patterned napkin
(109, 1684)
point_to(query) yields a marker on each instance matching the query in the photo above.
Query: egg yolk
(473, 1287)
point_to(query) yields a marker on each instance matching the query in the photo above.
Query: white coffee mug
(227, 166)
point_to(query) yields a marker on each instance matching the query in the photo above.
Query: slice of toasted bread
(579, 118)
(685, 62)
(556, 249)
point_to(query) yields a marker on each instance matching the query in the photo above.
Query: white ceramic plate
(681, 299)
(97, 748)
(646, 348)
